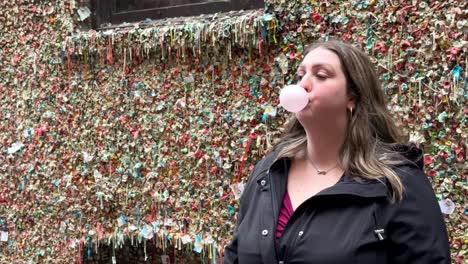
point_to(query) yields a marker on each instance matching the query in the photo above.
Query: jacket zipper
(299, 227)
(276, 215)
(295, 235)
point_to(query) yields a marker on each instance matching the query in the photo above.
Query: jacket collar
(368, 189)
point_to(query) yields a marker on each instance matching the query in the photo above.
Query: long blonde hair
(371, 137)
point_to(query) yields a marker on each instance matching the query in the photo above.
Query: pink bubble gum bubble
(293, 98)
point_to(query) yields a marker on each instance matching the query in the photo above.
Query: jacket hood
(412, 155)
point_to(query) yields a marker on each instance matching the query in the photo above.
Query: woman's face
(320, 74)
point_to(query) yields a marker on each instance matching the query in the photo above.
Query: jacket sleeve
(230, 251)
(416, 229)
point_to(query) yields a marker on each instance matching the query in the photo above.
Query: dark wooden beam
(106, 10)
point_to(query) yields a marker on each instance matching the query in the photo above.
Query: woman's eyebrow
(316, 65)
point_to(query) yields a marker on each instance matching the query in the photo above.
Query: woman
(339, 186)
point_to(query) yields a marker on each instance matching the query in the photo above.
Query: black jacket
(350, 222)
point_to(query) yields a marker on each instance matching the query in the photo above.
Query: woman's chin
(304, 113)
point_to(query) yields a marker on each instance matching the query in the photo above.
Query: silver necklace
(322, 172)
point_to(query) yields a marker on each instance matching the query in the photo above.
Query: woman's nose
(305, 84)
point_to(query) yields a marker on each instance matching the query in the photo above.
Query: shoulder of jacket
(410, 174)
(264, 164)
(417, 188)
(260, 168)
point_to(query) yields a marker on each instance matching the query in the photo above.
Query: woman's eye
(298, 77)
(321, 76)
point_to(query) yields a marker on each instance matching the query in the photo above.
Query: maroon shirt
(284, 215)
